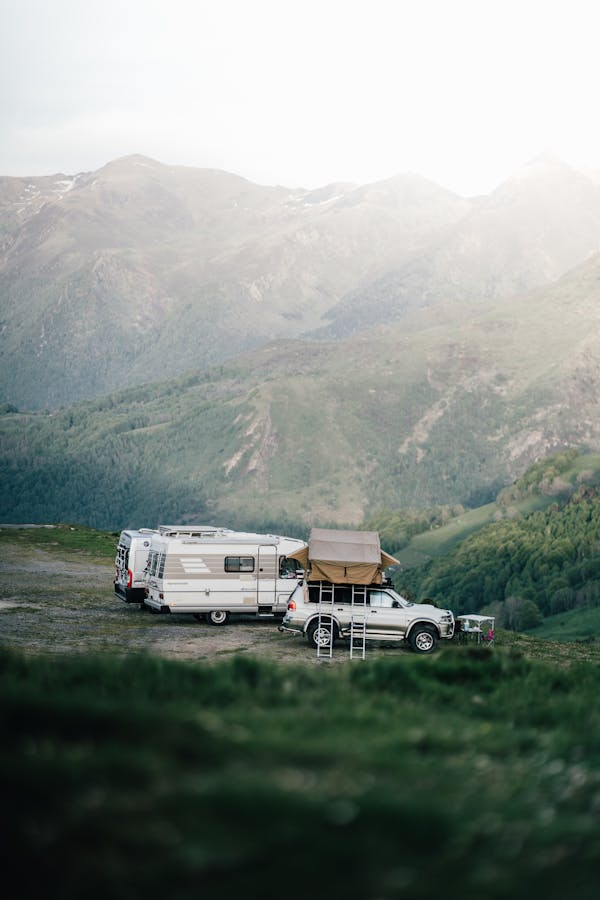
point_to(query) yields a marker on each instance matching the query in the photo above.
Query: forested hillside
(524, 567)
(443, 410)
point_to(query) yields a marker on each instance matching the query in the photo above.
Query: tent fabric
(301, 556)
(343, 557)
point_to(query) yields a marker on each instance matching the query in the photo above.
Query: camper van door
(131, 559)
(266, 575)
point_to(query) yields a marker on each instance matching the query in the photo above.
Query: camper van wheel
(218, 617)
(320, 635)
(423, 639)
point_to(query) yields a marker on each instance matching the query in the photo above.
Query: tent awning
(344, 557)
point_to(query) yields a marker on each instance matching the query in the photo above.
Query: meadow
(472, 774)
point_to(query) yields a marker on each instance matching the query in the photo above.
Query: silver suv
(316, 611)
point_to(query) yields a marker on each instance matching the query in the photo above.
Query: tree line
(523, 568)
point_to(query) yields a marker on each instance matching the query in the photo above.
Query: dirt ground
(51, 604)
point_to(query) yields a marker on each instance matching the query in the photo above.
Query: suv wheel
(320, 635)
(423, 639)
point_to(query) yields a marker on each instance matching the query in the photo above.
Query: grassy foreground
(472, 775)
(74, 540)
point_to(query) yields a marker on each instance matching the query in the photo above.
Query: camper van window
(239, 564)
(161, 565)
(123, 557)
(288, 568)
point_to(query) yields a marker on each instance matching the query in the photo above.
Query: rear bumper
(130, 595)
(157, 604)
(291, 629)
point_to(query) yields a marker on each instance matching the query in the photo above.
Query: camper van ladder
(358, 621)
(326, 600)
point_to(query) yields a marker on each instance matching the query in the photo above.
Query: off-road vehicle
(325, 612)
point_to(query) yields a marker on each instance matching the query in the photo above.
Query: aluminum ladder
(326, 601)
(358, 621)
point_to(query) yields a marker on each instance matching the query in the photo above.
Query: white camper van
(130, 562)
(215, 572)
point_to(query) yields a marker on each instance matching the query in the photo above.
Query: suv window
(342, 593)
(382, 599)
(387, 599)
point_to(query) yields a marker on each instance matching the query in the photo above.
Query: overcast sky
(299, 92)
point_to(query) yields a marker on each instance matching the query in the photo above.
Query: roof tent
(344, 557)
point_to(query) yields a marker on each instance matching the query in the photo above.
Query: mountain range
(187, 345)
(141, 270)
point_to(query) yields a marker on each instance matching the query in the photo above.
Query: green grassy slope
(579, 625)
(462, 776)
(63, 539)
(585, 468)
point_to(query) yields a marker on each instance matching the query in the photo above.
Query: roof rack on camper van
(193, 530)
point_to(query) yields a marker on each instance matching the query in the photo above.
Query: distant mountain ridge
(142, 271)
(533, 228)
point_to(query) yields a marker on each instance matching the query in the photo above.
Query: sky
(299, 92)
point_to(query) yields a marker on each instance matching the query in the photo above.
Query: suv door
(386, 621)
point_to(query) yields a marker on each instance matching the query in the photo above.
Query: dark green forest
(525, 566)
